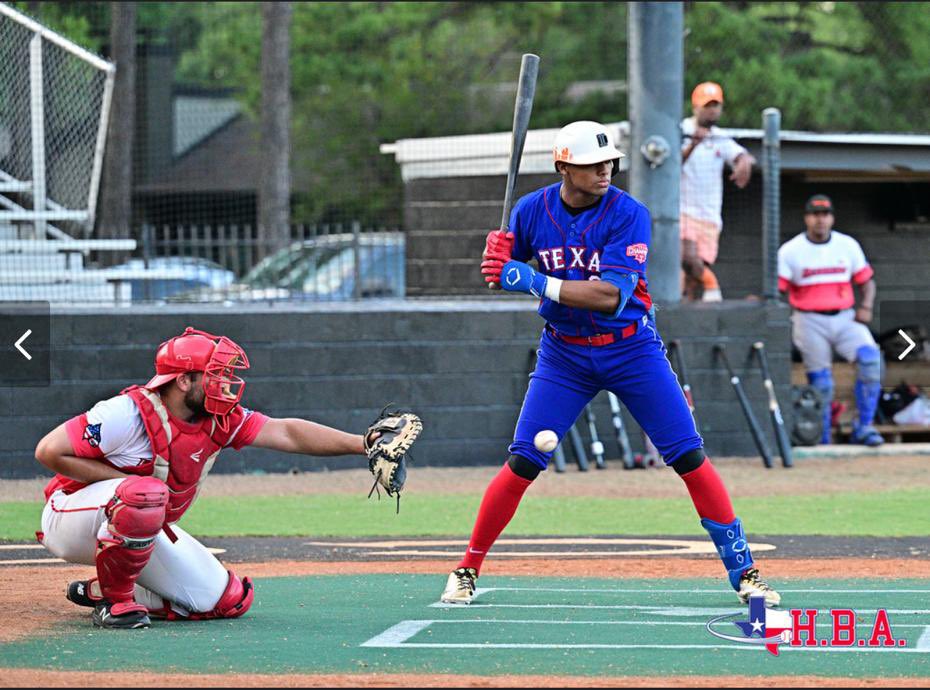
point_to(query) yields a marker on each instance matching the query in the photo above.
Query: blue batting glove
(517, 276)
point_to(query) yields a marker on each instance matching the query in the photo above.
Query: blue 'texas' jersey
(606, 242)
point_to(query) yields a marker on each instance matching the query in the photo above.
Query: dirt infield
(63, 679)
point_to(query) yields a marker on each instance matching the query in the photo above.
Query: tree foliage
(364, 73)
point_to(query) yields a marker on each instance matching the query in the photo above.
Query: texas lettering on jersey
(555, 259)
(608, 241)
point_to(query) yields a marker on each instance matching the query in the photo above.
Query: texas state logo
(638, 251)
(769, 628)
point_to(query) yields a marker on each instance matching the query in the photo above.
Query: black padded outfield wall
(462, 365)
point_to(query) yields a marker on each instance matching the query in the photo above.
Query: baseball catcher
(131, 466)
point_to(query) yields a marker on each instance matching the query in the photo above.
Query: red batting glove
(498, 245)
(491, 269)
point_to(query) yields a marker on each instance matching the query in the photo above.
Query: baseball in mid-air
(545, 441)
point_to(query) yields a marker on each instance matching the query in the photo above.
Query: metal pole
(37, 115)
(771, 201)
(655, 76)
(99, 147)
(357, 283)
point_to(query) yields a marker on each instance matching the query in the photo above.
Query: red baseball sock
(708, 493)
(498, 506)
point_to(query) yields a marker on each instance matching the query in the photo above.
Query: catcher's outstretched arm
(291, 435)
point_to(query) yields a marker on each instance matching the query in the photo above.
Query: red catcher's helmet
(216, 356)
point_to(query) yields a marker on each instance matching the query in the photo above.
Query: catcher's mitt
(387, 454)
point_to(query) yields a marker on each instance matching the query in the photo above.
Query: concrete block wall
(447, 219)
(461, 364)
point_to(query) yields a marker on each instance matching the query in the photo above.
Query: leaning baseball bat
(623, 441)
(747, 410)
(578, 447)
(522, 107)
(675, 347)
(778, 423)
(597, 448)
(558, 458)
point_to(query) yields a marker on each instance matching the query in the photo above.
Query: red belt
(596, 340)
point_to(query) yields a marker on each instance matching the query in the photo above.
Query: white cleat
(751, 585)
(460, 587)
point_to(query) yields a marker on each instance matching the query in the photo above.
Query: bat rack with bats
(597, 448)
(778, 422)
(754, 428)
(522, 108)
(623, 440)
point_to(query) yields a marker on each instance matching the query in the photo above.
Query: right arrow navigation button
(910, 344)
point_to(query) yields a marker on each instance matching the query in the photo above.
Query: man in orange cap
(131, 466)
(705, 151)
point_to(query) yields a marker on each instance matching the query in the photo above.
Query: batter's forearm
(596, 295)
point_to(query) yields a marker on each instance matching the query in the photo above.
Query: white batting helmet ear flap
(585, 142)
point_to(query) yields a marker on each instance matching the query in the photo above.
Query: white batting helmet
(585, 142)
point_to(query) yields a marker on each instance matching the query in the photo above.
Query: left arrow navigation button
(19, 344)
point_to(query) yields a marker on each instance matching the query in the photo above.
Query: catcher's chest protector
(183, 453)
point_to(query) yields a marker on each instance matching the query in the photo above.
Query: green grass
(887, 514)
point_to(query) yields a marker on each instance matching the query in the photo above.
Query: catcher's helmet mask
(218, 357)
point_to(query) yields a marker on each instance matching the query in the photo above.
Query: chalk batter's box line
(397, 635)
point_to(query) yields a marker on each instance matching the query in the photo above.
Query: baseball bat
(682, 372)
(651, 455)
(558, 458)
(623, 441)
(522, 107)
(778, 422)
(578, 447)
(754, 428)
(597, 448)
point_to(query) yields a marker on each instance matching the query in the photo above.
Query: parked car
(319, 269)
(193, 272)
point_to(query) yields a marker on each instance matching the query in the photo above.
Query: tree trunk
(275, 178)
(115, 214)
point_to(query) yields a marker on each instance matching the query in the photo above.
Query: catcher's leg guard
(234, 602)
(135, 514)
(822, 381)
(732, 546)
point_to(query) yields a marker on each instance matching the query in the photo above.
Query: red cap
(705, 92)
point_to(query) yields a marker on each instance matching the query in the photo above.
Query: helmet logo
(602, 140)
(563, 154)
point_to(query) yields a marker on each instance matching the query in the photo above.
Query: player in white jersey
(818, 269)
(704, 152)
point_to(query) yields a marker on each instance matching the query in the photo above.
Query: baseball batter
(818, 269)
(591, 242)
(130, 467)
